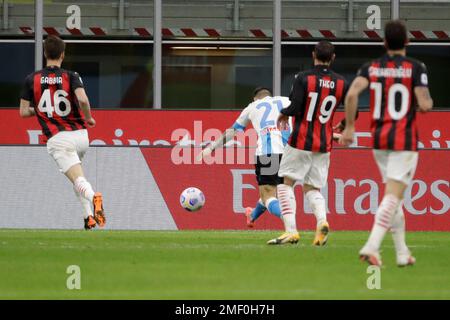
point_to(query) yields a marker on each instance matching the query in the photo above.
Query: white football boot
(372, 257)
(405, 259)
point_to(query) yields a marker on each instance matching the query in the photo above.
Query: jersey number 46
(60, 105)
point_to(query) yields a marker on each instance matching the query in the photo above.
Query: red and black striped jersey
(314, 97)
(51, 92)
(392, 80)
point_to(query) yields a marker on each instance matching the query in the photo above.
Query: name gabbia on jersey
(55, 102)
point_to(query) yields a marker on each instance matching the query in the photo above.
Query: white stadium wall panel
(36, 195)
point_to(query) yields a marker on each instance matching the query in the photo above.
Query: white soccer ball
(192, 199)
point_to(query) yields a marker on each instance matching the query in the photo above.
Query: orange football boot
(248, 215)
(99, 214)
(89, 223)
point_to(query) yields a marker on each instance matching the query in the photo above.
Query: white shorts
(67, 148)
(305, 166)
(397, 165)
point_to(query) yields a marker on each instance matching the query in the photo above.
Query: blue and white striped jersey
(263, 114)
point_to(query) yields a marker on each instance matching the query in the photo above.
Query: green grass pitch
(213, 265)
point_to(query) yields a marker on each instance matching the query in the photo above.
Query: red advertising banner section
(155, 128)
(353, 192)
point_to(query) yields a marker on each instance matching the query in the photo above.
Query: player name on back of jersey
(399, 72)
(326, 84)
(51, 80)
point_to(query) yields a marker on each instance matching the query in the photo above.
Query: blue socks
(274, 207)
(259, 210)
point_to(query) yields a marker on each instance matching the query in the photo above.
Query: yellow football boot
(287, 237)
(321, 237)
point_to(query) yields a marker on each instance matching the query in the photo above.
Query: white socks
(383, 221)
(84, 188)
(288, 206)
(85, 194)
(398, 231)
(317, 203)
(87, 205)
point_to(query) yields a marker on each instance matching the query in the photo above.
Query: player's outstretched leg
(288, 208)
(253, 214)
(383, 221)
(84, 189)
(404, 257)
(317, 203)
(273, 206)
(88, 215)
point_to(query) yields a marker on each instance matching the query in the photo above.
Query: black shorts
(266, 169)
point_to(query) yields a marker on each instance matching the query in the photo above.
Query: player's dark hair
(395, 35)
(53, 47)
(258, 90)
(324, 51)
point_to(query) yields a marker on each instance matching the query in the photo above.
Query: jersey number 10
(400, 88)
(59, 99)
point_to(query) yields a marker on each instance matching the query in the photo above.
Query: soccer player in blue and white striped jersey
(263, 113)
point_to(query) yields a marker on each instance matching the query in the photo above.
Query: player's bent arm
(293, 109)
(351, 100)
(228, 134)
(222, 140)
(83, 100)
(351, 106)
(25, 110)
(424, 100)
(341, 125)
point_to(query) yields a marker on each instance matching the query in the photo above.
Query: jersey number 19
(325, 113)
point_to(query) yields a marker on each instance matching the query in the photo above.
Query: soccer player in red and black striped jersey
(58, 100)
(314, 97)
(398, 86)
